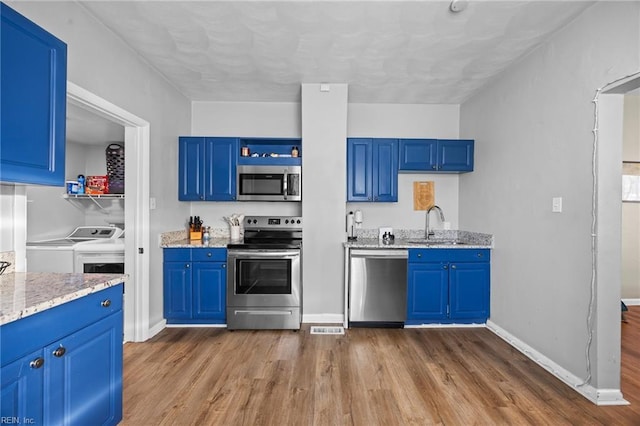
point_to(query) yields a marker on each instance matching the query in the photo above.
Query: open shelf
(93, 197)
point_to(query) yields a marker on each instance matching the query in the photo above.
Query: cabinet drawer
(25, 335)
(177, 254)
(449, 255)
(209, 255)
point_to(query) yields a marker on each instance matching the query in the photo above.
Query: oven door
(263, 278)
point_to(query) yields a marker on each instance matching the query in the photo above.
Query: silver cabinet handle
(187, 265)
(224, 265)
(59, 351)
(453, 266)
(37, 363)
(105, 303)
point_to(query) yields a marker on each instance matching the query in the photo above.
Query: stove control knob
(298, 221)
(287, 221)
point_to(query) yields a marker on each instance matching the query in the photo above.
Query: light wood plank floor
(366, 377)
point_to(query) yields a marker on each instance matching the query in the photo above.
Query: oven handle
(255, 253)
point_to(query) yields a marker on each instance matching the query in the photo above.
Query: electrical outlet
(556, 205)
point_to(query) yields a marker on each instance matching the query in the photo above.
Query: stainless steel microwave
(269, 183)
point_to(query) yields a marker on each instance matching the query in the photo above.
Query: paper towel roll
(357, 217)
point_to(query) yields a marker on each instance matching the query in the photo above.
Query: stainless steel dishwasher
(377, 288)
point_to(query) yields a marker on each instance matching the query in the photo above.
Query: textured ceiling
(386, 51)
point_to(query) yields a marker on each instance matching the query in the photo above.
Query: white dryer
(59, 255)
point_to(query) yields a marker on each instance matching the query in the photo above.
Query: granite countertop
(186, 243)
(26, 293)
(442, 239)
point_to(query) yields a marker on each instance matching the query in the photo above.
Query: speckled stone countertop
(186, 243)
(26, 293)
(415, 239)
(180, 239)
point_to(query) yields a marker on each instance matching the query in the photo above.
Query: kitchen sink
(436, 242)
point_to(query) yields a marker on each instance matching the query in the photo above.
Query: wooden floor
(366, 377)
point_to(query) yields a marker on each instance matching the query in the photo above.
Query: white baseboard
(597, 396)
(157, 328)
(446, 326)
(631, 302)
(323, 318)
(196, 325)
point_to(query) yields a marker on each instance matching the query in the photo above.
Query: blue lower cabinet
(63, 366)
(448, 286)
(195, 283)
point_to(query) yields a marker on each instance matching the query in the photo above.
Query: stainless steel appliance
(263, 275)
(269, 183)
(377, 288)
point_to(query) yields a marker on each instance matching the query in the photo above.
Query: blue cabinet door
(22, 389)
(220, 168)
(33, 93)
(86, 368)
(436, 155)
(207, 168)
(191, 173)
(455, 155)
(469, 290)
(359, 169)
(372, 170)
(418, 154)
(385, 170)
(209, 290)
(427, 292)
(177, 284)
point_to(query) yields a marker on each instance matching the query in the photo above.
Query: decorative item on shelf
(294, 151)
(245, 151)
(97, 185)
(115, 168)
(72, 187)
(195, 228)
(81, 181)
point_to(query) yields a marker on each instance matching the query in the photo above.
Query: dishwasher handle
(380, 254)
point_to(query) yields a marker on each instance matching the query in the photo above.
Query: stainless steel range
(263, 277)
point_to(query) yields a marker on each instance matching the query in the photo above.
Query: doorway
(136, 211)
(607, 248)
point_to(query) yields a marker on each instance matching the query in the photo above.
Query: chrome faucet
(428, 232)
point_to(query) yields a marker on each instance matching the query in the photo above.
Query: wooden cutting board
(423, 195)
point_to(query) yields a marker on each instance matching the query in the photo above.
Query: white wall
(7, 200)
(533, 130)
(631, 211)
(103, 64)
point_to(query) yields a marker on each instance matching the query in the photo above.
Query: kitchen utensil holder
(195, 235)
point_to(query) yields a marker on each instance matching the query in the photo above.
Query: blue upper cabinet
(33, 93)
(436, 155)
(372, 170)
(207, 169)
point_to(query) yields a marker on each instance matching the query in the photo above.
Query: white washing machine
(61, 254)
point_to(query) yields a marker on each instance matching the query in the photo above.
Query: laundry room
(69, 219)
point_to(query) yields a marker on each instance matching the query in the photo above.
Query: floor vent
(327, 330)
